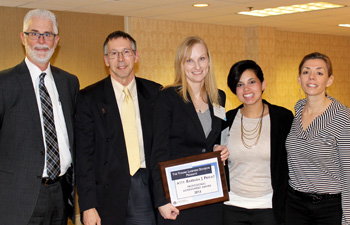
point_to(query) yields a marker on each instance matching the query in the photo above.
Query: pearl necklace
(253, 133)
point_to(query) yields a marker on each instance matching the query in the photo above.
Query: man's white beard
(38, 57)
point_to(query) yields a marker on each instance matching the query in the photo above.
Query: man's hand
(91, 217)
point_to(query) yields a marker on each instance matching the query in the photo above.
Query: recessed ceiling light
(291, 9)
(200, 5)
(344, 25)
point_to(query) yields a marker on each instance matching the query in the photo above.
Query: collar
(319, 123)
(35, 71)
(118, 88)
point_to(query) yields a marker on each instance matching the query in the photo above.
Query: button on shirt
(61, 129)
(119, 95)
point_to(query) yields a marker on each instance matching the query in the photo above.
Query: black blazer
(178, 133)
(103, 178)
(281, 120)
(22, 150)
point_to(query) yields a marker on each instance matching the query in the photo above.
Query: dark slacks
(303, 211)
(50, 207)
(240, 216)
(140, 210)
(201, 215)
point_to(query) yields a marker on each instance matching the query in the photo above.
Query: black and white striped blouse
(319, 157)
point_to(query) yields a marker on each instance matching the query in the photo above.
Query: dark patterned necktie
(52, 152)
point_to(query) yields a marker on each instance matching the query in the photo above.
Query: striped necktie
(52, 152)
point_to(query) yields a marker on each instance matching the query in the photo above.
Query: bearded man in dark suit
(37, 104)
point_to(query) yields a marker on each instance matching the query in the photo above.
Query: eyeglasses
(126, 53)
(36, 35)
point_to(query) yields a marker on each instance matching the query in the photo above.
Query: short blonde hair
(183, 52)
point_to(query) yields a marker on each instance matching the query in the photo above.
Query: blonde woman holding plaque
(186, 124)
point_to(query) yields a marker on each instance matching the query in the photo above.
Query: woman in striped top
(318, 149)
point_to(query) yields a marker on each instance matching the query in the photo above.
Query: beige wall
(80, 47)
(277, 52)
(291, 47)
(158, 40)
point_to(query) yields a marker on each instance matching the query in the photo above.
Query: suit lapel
(112, 123)
(215, 124)
(28, 93)
(143, 97)
(65, 99)
(191, 111)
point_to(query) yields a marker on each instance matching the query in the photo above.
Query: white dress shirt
(60, 124)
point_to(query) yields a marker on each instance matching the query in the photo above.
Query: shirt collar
(118, 87)
(35, 71)
(319, 123)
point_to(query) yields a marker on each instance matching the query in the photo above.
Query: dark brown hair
(317, 55)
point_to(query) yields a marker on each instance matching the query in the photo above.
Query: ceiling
(221, 12)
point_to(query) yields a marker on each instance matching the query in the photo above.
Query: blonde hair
(183, 52)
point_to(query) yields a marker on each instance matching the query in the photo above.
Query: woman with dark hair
(258, 161)
(318, 147)
(186, 124)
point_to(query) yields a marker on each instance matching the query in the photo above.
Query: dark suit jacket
(281, 120)
(178, 133)
(103, 178)
(22, 151)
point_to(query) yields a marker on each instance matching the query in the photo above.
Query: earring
(300, 94)
(327, 92)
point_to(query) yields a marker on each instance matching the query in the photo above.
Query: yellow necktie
(130, 132)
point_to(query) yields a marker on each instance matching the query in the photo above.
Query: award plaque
(194, 181)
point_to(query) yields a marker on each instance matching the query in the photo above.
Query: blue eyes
(201, 59)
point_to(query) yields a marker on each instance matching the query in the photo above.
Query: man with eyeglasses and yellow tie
(37, 103)
(113, 141)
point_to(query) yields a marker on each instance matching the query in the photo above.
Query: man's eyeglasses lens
(115, 54)
(35, 35)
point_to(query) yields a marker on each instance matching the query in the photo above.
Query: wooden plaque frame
(192, 159)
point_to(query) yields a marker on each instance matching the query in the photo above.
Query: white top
(119, 95)
(249, 169)
(60, 123)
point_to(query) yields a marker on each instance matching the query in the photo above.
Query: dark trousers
(50, 207)
(240, 216)
(202, 215)
(140, 209)
(303, 211)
